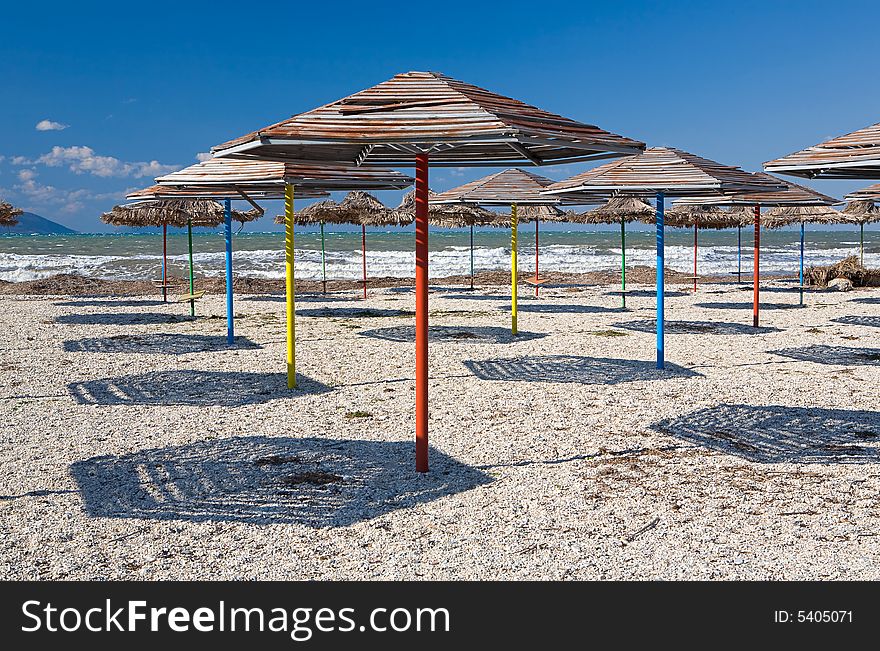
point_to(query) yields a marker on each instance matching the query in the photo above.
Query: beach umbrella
(178, 213)
(410, 119)
(854, 155)
(451, 216)
(661, 172)
(519, 189)
(618, 210)
(788, 194)
(254, 179)
(696, 217)
(8, 214)
(862, 209)
(800, 215)
(358, 208)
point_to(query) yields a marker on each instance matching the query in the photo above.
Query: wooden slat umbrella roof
(500, 189)
(790, 215)
(174, 212)
(788, 194)
(853, 155)
(871, 193)
(614, 210)
(270, 177)
(661, 169)
(216, 192)
(428, 112)
(8, 214)
(862, 211)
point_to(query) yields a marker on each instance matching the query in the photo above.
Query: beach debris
(358, 414)
(315, 477)
(840, 284)
(276, 460)
(849, 268)
(641, 531)
(608, 333)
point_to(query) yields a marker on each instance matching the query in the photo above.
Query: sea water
(564, 248)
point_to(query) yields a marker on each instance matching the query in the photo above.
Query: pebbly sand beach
(137, 444)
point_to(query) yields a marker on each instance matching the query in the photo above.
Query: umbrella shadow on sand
(835, 355)
(264, 480)
(192, 388)
(113, 302)
(859, 319)
(748, 306)
(781, 434)
(353, 312)
(574, 369)
(695, 327)
(469, 334)
(157, 344)
(123, 318)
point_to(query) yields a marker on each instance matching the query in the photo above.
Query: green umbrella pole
(192, 281)
(623, 261)
(323, 258)
(472, 256)
(862, 243)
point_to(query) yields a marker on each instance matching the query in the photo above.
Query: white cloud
(19, 160)
(49, 125)
(66, 201)
(202, 156)
(84, 160)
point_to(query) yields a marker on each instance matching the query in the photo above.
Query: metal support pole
(323, 260)
(661, 290)
(364, 253)
(802, 265)
(757, 269)
(289, 287)
(739, 254)
(192, 279)
(165, 262)
(862, 244)
(623, 262)
(230, 327)
(422, 313)
(513, 270)
(695, 256)
(537, 221)
(472, 256)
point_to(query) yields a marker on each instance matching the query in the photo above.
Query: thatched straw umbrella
(794, 215)
(862, 211)
(8, 214)
(699, 216)
(176, 213)
(450, 216)
(618, 210)
(357, 208)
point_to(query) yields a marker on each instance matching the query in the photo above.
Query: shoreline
(77, 285)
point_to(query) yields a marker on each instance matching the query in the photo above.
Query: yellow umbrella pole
(288, 269)
(513, 224)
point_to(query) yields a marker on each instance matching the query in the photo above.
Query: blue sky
(123, 91)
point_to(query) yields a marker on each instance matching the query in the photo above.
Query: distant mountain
(31, 224)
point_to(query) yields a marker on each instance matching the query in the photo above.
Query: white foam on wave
(451, 260)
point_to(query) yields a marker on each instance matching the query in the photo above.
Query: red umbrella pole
(757, 264)
(536, 257)
(422, 313)
(695, 256)
(165, 262)
(364, 252)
